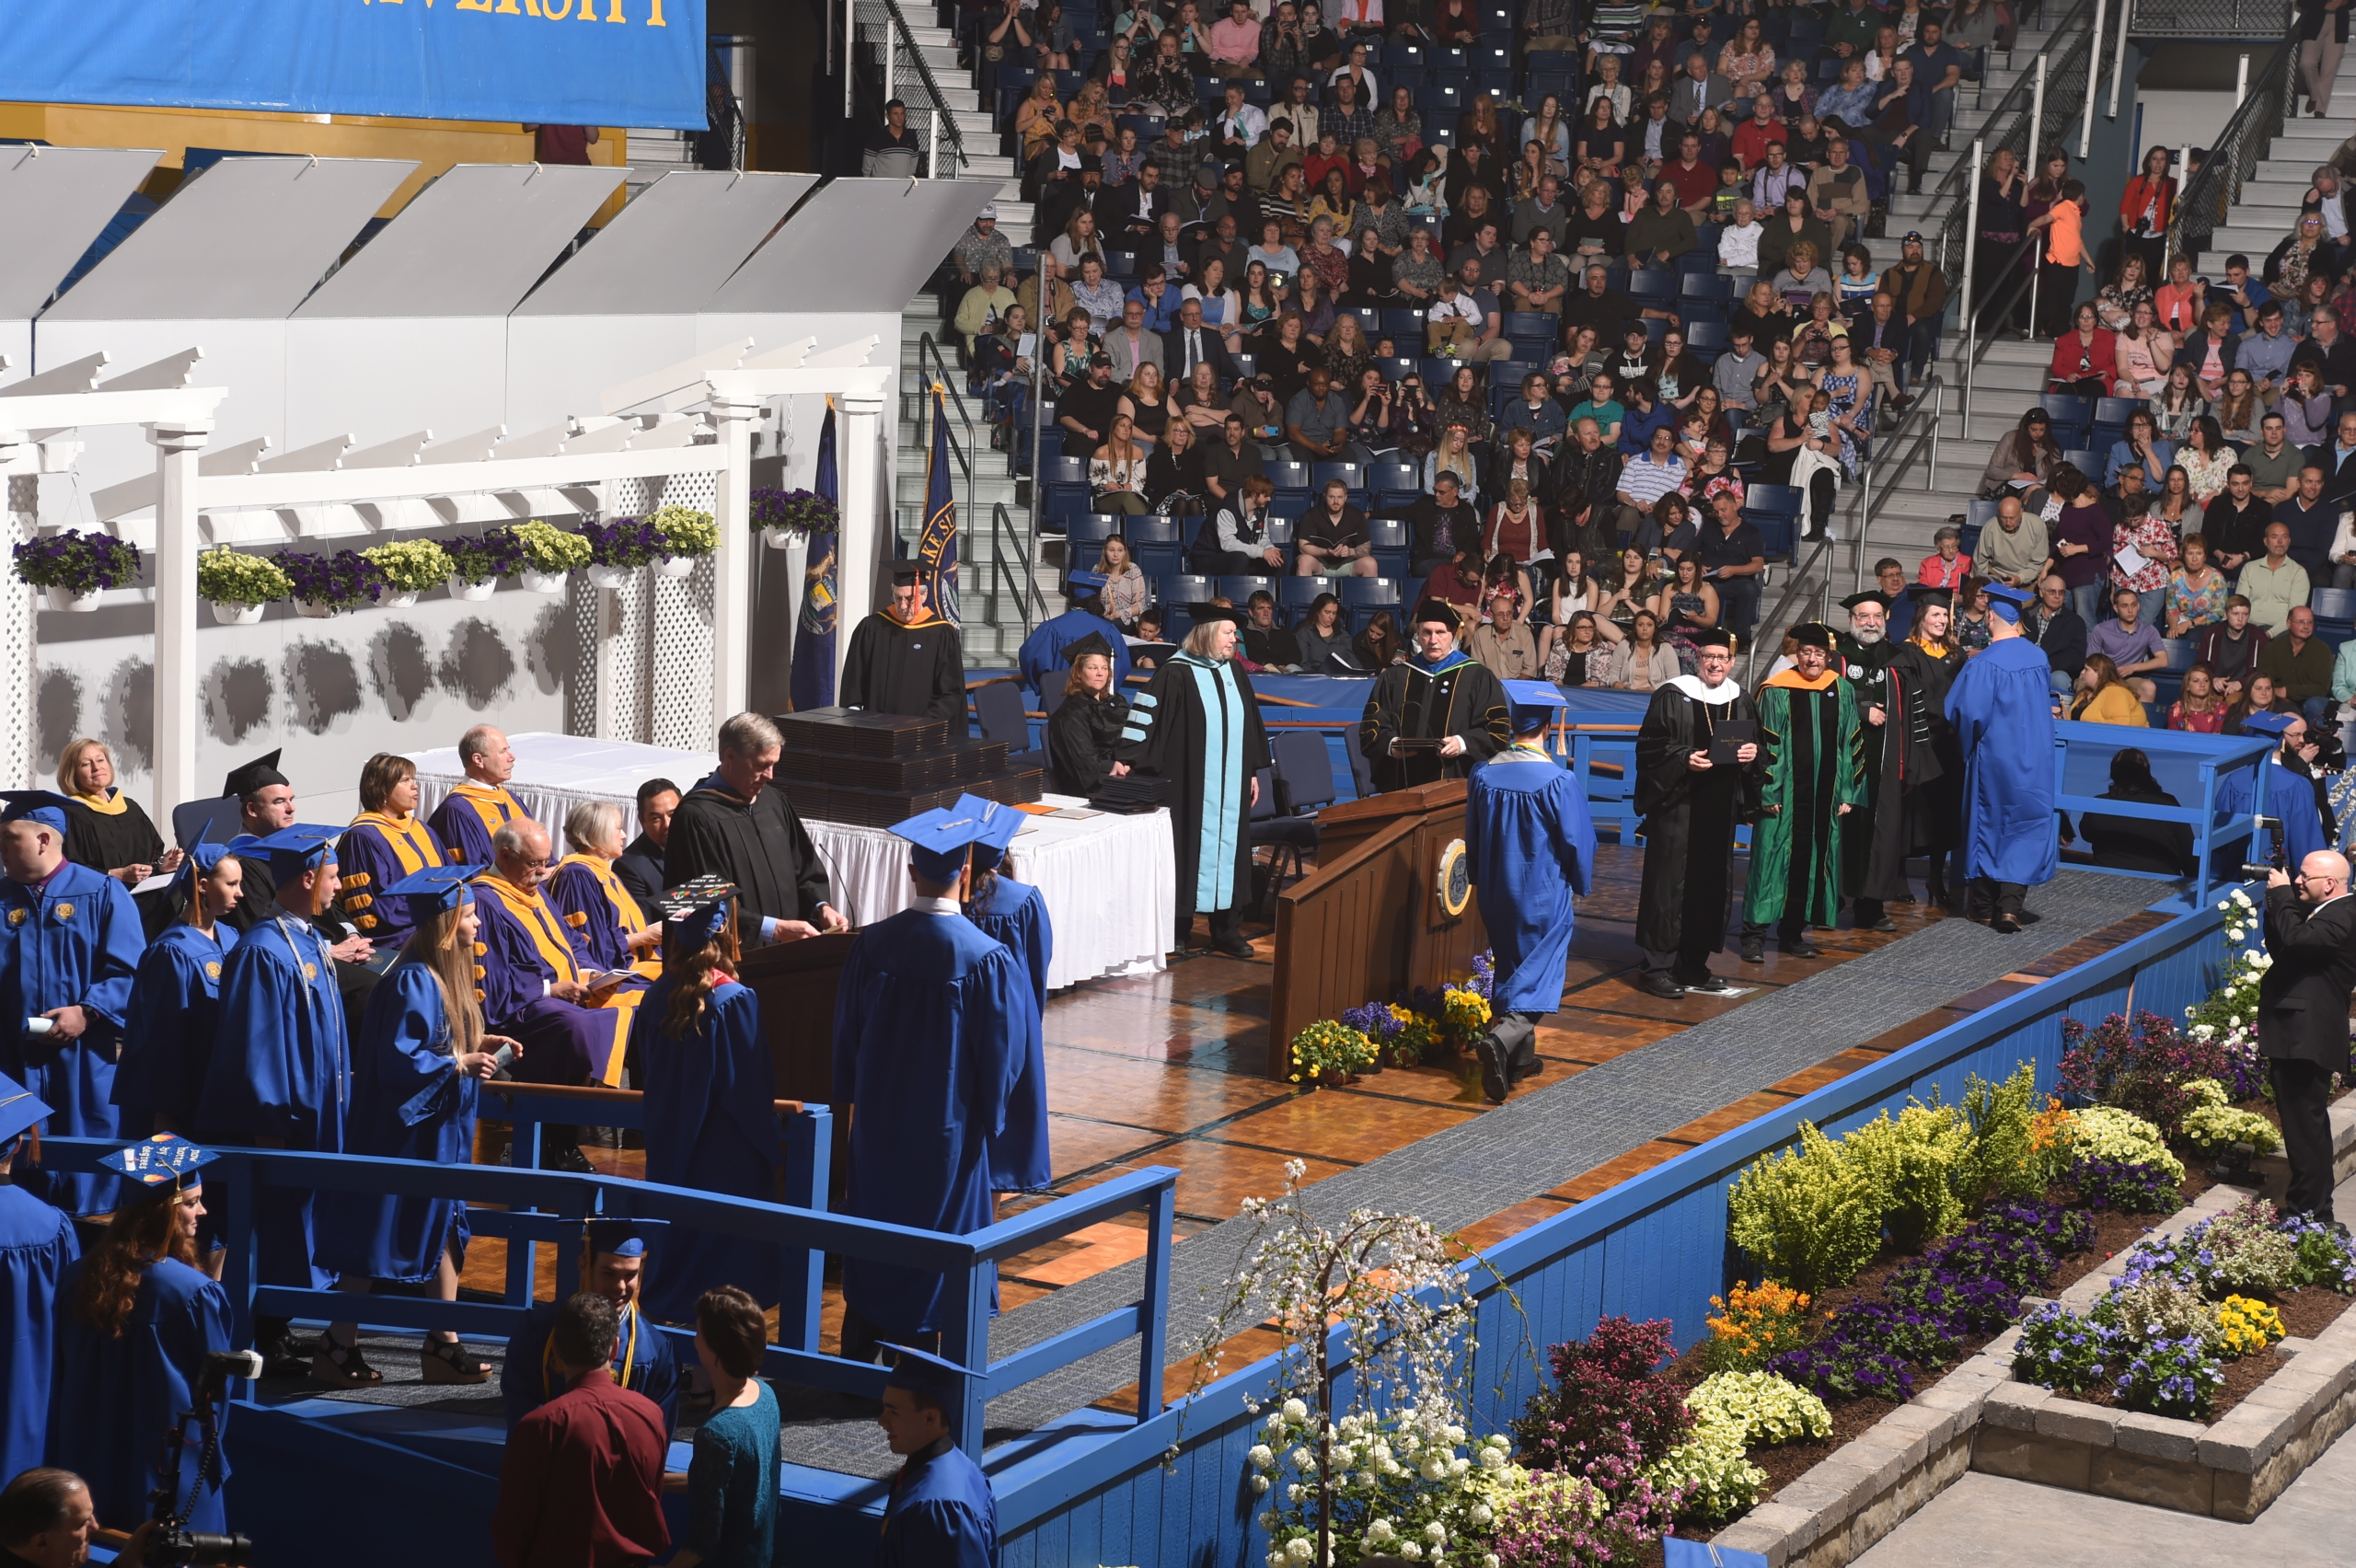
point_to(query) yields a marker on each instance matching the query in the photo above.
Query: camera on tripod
(173, 1544)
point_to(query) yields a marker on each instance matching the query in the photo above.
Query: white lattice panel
(658, 670)
(18, 650)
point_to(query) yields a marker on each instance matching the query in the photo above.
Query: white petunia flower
(1483, 1514)
(1260, 1457)
(1300, 1550)
(1259, 1485)
(1295, 1410)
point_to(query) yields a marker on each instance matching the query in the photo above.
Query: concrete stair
(2269, 207)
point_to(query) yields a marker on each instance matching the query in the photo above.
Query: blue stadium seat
(2335, 611)
(1707, 340)
(2074, 418)
(1181, 590)
(1351, 473)
(1153, 540)
(1121, 264)
(1396, 482)
(1408, 62)
(1772, 501)
(2112, 415)
(1370, 318)
(1295, 595)
(1450, 57)
(1404, 324)
(1390, 537)
(1708, 292)
(1552, 61)
(1653, 286)
(1291, 481)
(1447, 98)
(1246, 365)
(2086, 461)
(1240, 589)
(1363, 597)
(1396, 366)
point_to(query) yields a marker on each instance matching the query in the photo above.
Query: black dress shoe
(1660, 985)
(1754, 950)
(2006, 924)
(1802, 949)
(1493, 1068)
(1711, 985)
(1884, 924)
(1235, 946)
(573, 1161)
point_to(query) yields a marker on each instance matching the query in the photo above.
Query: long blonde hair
(71, 758)
(436, 945)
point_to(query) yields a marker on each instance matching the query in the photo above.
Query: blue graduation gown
(1040, 657)
(940, 1514)
(1016, 914)
(934, 1023)
(709, 1125)
(36, 1245)
(73, 942)
(168, 1038)
(1531, 846)
(644, 1363)
(2291, 802)
(2001, 707)
(113, 1398)
(281, 1074)
(408, 1102)
(374, 853)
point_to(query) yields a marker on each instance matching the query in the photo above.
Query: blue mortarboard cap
(20, 1108)
(1087, 579)
(1683, 1551)
(434, 889)
(2274, 725)
(692, 924)
(201, 856)
(939, 839)
(299, 847)
(1000, 825)
(621, 1237)
(943, 1382)
(161, 1164)
(44, 806)
(2005, 601)
(1531, 699)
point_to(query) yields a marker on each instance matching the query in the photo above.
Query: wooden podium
(1369, 924)
(795, 982)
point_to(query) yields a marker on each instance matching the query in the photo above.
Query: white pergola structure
(695, 416)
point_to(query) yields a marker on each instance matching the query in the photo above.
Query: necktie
(1194, 351)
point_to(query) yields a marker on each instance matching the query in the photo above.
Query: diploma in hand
(1728, 737)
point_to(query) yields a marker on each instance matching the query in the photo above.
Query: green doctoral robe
(1815, 765)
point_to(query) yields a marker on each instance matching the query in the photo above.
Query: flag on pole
(937, 545)
(813, 640)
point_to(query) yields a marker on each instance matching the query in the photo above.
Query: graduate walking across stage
(613, 1265)
(1530, 846)
(1197, 726)
(907, 659)
(2002, 709)
(934, 1026)
(420, 1054)
(711, 1109)
(2290, 797)
(135, 1320)
(1439, 715)
(1015, 913)
(940, 1512)
(69, 946)
(1814, 778)
(37, 1244)
(1697, 780)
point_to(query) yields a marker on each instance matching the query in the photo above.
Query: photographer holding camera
(2302, 1014)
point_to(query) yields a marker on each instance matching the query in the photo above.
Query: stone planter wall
(1978, 1417)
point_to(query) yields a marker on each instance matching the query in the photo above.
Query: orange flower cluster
(1756, 1323)
(2050, 1129)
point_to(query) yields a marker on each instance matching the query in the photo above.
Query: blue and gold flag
(937, 545)
(814, 636)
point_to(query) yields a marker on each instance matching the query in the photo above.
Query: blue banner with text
(620, 62)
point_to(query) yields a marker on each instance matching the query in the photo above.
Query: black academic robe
(1899, 761)
(1687, 820)
(1083, 735)
(918, 670)
(1197, 725)
(256, 894)
(104, 840)
(762, 848)
(642, 870)
(1461, 696)
(1935, 812)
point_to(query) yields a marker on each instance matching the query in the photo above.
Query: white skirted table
(1110, 881)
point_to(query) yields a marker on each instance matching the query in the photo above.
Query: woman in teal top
(732, 1481)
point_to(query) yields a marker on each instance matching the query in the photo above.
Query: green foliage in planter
(685, 532)
(225, 577)
(411, 566)
(1812, 1215)
(80, 563)
(1914, 1161)
(2004, 1159)
(542, 547)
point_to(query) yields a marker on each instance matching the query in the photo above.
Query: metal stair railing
(939, 116)
(2208, 198)
(1012, 570)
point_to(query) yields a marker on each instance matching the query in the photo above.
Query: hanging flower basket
(239, 586)
(681, 532)
(609, 576)
(545, 554)
(473, 593)
(409, 567)
(77, 567)
(785, 518)
(476, 565)
(330, 584)
(676, 566)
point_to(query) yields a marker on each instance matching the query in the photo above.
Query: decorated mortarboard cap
(697, 918)
(20, 1108)
(244, 781)
(434, 889)
(1870, 596)
(921, 1372)
(1086, 579)
(1532, 701)
(1811, 634)
(161, 1164)
(1710, 637)
(1000, 825)
(1073, 653)
(1440, 610)
(2005, 600)
(939, 840)
(300, 846)
(46, 807)
(620, 1238)
(2266, 723)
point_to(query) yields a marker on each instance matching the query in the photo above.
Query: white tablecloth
(1110, 881)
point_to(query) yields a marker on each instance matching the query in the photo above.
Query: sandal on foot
(448, 1361)
(341, 1366)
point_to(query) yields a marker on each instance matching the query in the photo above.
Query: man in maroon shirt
(580, 1486)
(1696, 182)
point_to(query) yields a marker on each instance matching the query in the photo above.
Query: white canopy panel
(266, 230)
(472, 243)
(859, 245)
(54, 202)
(673, 246)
